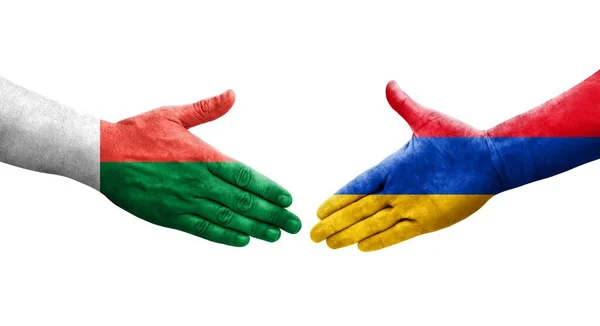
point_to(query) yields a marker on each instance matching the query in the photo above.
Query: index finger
(335, 203)
(348, 216)
(369, 182)
(244, 177)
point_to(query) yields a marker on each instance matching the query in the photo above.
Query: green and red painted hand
(154, 168)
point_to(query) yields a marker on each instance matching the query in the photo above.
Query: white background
(311, 114)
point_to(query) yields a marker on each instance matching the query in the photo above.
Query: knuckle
(215, 168)
(243, 177)
(200, 107)
(373, 226)
(275, 216)
(201, 227)
(268, 191)
(254, 227)
(224, 216)
(244, 202)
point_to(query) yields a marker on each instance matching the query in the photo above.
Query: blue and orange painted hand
(448, 169)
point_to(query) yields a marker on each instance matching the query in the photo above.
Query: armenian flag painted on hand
(449, 169)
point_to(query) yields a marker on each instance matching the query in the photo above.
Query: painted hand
(441, 176)
(154, 168)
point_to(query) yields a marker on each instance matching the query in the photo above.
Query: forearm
(557, 136)
(42, 135)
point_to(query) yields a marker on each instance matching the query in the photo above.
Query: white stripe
(39, 134)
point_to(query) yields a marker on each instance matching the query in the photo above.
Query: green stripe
(223, 202)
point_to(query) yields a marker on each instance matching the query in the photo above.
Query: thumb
(411, 111)
(191, 115)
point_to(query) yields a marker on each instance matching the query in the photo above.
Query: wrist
(42, 135)
(552, 138)
(497, 162)
(81, 150)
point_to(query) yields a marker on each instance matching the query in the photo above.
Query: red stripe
(123, 143)
(575, 113)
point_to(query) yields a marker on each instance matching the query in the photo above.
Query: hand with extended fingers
(441, 176)
(448, 169)
(154, 168)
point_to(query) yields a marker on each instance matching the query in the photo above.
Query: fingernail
(243, 240)
(293, 225)
(285, 200)
(273, 234)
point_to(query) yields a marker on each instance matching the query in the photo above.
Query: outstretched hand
(154, 168)
(441, 176)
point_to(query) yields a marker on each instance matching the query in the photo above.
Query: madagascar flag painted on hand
(449, 169)
(153, 167)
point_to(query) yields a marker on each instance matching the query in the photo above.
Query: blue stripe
(437, 165)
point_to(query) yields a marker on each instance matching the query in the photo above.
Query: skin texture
(423, 187)
(150, 165)
(448, 169)
(41, 135)
(154, 168)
